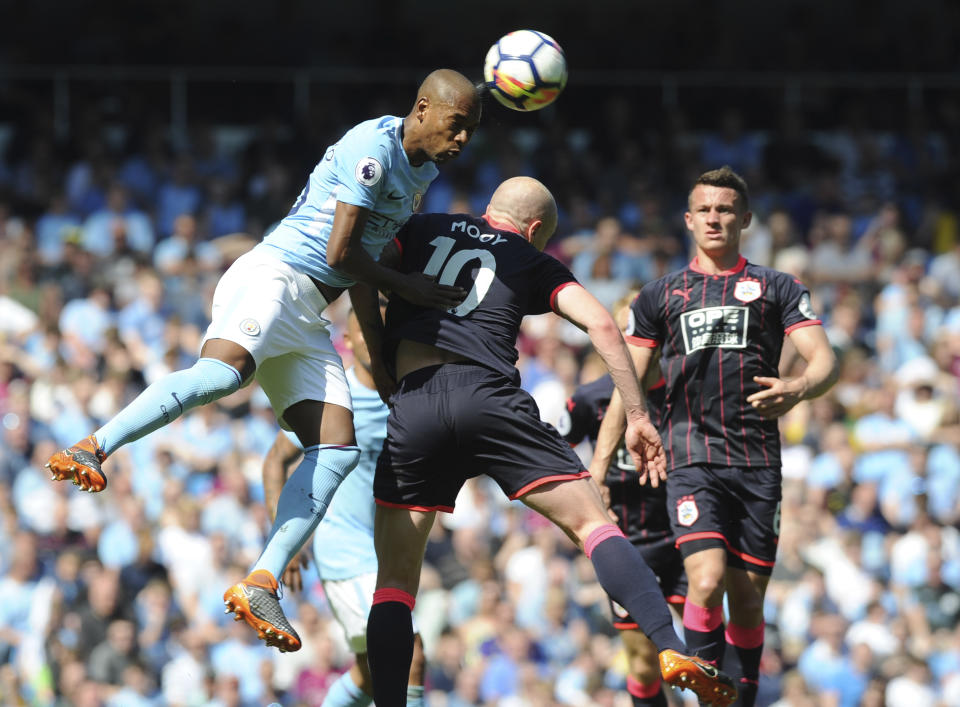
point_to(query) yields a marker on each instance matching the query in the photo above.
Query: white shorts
(350, 600)
(273, 311)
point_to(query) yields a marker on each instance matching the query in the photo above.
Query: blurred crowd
(112, 240)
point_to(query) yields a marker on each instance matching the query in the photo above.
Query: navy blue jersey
(641, 510)
(715, 333)
(506, 276)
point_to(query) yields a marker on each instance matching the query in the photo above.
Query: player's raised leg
(400, 536)
(329, 454)
(223, 366)
(576, 507)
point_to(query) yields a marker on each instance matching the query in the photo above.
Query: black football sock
(703, 631)
(628, 580)
(390, 645)
(744, 650)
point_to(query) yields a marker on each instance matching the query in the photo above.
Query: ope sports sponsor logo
(715, 327)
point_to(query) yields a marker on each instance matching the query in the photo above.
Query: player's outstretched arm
(642, 440)
(822, 371)
(346, 253)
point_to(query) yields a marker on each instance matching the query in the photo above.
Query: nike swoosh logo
(394, 196)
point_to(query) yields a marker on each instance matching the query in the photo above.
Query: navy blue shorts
(455, 421)
(736, 508)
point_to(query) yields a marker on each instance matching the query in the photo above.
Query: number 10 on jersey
(451, 270)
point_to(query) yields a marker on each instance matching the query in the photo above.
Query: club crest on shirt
(417, 198)
(369, 171)
(747, 290)
(250, 327)
(687, 511)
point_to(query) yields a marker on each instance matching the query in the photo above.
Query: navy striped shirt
(717, 332)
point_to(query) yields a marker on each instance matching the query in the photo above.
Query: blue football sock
(164, 401)
(415, 696)
(303, 501)
(345, 693)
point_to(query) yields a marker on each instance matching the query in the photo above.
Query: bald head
(528, 205)
(449, 87)
(443, 118)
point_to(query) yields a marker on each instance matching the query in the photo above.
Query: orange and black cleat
(711, 686)
(81, 464)
(255, 601)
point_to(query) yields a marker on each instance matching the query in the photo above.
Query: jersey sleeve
(551, 277)
(645, 326)
(362, 158)
(795, 307)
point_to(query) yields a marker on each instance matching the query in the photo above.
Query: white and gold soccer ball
(525, 70)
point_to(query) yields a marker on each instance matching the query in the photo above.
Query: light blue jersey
(367, 168)
(343, 542)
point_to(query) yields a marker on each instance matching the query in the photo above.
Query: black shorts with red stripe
(735, 508)
(667, 564)
(455, 421)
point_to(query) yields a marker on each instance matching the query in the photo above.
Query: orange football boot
(255, 601)
(711, 686)
(81, 464)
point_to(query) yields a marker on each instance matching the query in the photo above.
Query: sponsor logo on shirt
(715, 327)
(369, 171)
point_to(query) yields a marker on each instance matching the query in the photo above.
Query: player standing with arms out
(641, 513)
(718, 326)
(343, 542)
(267, 323)
(459, 412)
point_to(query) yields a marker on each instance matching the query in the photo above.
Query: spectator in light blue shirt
(53, 227)
(103, 227)
(882, 439)
(179, 195)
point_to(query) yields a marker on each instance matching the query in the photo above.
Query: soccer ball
(525, 70)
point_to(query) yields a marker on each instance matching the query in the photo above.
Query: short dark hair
(725, 178)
